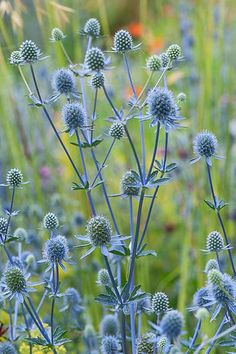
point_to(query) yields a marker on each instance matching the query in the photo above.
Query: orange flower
(135, 29)
(129, 92)
(155, 44)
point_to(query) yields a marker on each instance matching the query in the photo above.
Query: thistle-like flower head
(56, 251)
(14, 177)
(162, 108)
(211, 264)
(215, 242)
(50, 221)
(154, 63)
(109, 326)
(130, 184)
(117, 130)
(7, 348)
(159, 303)
(57, 35)
(29, 52)
(205, 145)
(92, 27)
(146, 344)
(110, 345)
(103, 277)
(74, 116)
(15, 58)
(174, 52)
(123, 42)
(172, 324)
(97, 80)
(63, 82)
(95, 59)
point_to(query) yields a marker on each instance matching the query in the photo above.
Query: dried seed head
(99, 230)
(50, 221)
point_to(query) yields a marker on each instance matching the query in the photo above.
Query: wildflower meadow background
(117, 173)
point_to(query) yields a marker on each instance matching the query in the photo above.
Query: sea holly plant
(124, 301)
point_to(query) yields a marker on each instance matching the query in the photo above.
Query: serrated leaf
(106, 299)
(37, 341)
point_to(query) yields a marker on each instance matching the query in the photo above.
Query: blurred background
(206, 30)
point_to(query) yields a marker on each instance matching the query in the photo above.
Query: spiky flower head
(215, 277)
(205, 144)
(200, 298)
(162, 343)
(174, 51)
(110, 345)
(172, 324)
(73, 115)
(154, 63)
(162, 106)
(97, 80)
(56, 249)
(103, 277)
(57, 35)
(50, 221)
(99, 230)
(181, 97)
(92, 27)
(95, 59)
(15, 262)
(164, 59)
(14, 177)
(29, 51)
(211, 264)
(146, 344)
(15, 280)
(21, 234)
(109, 326)
(159, 303)
(122, 41)
(225, 291)
(72, 299)
(63, 81)
(117, 130)
(7, 348)
(214, 242)
(15, 58)
(129, 184)
(3, 226)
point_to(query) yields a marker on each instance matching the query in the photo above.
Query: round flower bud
(15, 280)
(159, 303)
(97, 80)
(56, 249)
(174, 51)
(92, 27)
(7, 348)
(205, 144)
(95, 59)
(211, 264)
(30, 259)
(110, 345)
(214, 242)
(117, 130)
(154, 63)
(99, 230)
(15, 57)
(200, 297)
(63, 81)
(50, 221)
(202, 314)
(128, 184)
(122, 41)
(172, 324)
(215, 277)
(3, 226)
(73, 115)
(109, 326)
(103, 277)
(181, 97)
(162, 343)
(14, 177)
(164, 60)
(146, 343)
(29, 51)
(162, 106)
(21, 234)
(57, 34)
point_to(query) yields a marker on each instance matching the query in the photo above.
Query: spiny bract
(200, 298)
(99, 230)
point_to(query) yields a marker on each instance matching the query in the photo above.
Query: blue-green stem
(196, 333)
(126, 131)
(219, 217)
(94, 114)
(154, 195)
(10, 212)
(15, 319)
(220, 328)
(132, 306)
(123, 332)
(113, 281)
(27, 328)
(53, 126)
(55, 282)
(140, 120)
(154, 151)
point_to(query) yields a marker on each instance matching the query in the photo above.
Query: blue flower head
(7, 348)
(110, 345)
(162, 108)
(74, 116)
(146, 343)
(92, 27)
(95, 59)
(172, 324)
(159, 303)
(205, 145)
(63, 83)
(109, 326)
(56, 251)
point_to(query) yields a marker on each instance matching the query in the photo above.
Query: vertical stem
(27, 328)
(195, 335)
(123, 332)
(219, 216)
(15, 320)
(132, 306)
(112, 280)
(10, 212)
(154, 151)
(220, 328)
